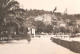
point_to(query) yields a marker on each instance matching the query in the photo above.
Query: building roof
(61, 23)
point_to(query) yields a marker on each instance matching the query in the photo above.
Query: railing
(58, 36)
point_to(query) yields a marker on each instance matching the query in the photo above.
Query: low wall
(72, 45)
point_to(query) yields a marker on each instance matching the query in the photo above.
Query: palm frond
(5, 2)
(21, 13)
(18, 23)
(10, 5)
(9, 12)
(20, 19)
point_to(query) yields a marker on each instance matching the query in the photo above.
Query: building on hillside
(61, 24)
(30, 26)
(46, 18)
(39, 18)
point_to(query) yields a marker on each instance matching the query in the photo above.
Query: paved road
(37, 46)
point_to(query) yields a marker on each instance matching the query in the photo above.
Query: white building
(39, 18)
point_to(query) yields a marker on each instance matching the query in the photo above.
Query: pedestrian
(28, 37)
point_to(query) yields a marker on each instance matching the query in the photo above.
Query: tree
(76, 30)
(56, 30)
(63, 29)
(10, 15)
(48, 29)
(40, 26)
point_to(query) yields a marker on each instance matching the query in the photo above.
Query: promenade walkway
(37, 46)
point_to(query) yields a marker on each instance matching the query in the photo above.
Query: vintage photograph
(39, 26)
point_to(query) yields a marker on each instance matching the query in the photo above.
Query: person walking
(28, 37)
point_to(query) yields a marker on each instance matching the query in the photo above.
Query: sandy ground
(37, 46)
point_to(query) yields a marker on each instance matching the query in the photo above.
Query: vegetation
(11, 17)
(69, 19)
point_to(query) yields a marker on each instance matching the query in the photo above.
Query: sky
(73, 6)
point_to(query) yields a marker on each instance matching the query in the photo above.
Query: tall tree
(11, 15)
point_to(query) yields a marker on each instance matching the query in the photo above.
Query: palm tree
(11, 16)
